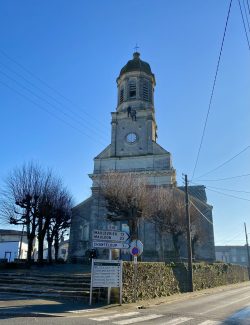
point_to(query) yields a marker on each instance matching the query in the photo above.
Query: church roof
(197, 191)
(136, 65)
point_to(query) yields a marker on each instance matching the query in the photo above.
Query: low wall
(158, 279)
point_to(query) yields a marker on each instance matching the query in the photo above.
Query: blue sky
(58, 66)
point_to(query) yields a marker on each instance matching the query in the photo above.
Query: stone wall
(158, 279)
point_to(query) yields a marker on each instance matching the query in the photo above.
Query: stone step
(75, 277)
(38, 290)
(73, 286)
(45, 281)
(80, 286)
(83, 296)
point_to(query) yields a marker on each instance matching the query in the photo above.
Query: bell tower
(133, 123)
(133, 146)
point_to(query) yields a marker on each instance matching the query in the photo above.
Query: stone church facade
(134, 149)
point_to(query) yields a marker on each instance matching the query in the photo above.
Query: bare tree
(60, 219)
(28, 199)
(126, 197)
(20, 199)
(168, 213)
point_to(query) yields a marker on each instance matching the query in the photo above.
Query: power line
(226, 189)
(45, 83)
(245, 9)
(88, 122)
(213, 88)
(248, 6)
(223, 164)
(201, 212)
(223, 238)
(225, 194)
(48, 111)
(243, 20)
(41, 98)
(224, 179)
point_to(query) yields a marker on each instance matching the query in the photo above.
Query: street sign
(110, 245)
(136, 248)
(112, 227)
(109, 235)
(106, 274)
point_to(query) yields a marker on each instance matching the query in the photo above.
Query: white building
(13, 244)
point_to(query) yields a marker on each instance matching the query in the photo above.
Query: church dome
(136, 65)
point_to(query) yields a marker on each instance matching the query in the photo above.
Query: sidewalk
(16, 306)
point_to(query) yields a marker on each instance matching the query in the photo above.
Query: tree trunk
(193, 242)
(41, 234)
(175, 239)
(162, 247)
(133, 228)
(49, 240)
(30, 248)
(40, 240)
(56, 246)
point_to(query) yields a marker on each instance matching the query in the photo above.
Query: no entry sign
(136, 248)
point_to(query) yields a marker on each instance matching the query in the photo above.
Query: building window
(145, 91)
(132, 89)
(121, 95)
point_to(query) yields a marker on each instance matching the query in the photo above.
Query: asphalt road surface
(227, 306)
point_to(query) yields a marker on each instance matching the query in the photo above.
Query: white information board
(106, 274)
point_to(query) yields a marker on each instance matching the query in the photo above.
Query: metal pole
(189, 244)
(91, 284)
(248, 256)
(135, 278)
(109, 288)
(121, 266)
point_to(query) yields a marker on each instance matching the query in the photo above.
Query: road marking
(177, 321)
(210, 322)
(104, 318)
(137, 319)
(77, 311)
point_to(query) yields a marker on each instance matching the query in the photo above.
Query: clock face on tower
(131, 137)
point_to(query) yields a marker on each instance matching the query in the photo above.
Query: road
(212, 307)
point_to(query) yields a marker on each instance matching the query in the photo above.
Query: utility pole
(248, 256)
(189, 244)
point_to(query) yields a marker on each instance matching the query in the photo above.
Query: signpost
(136, 249)
(110, 235)
(106, 274)
(109, 245)
(105, 271)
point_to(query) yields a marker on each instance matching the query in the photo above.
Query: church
(134, 149)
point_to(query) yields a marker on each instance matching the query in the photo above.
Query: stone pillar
(113, 134)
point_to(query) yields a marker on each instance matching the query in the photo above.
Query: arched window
(145, 91)
(121, 95)
(132, 89)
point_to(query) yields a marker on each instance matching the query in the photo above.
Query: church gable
(158, 150)
(105, 153)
